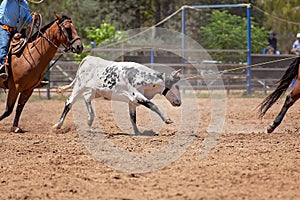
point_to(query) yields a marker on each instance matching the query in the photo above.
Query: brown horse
(291, 74)
(28, 68)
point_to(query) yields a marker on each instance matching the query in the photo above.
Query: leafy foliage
(135, 14)
(105, 34)
(227, 31)
(287, 10)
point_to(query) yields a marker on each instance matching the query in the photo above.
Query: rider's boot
(44, 82)
(3, 74)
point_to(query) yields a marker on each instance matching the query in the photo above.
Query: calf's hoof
(56, 126)
(89, 123)
(168, 121)
(15, 129)
(137, 133)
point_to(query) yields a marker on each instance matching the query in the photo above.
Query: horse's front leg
(289, 101)
(10, 103)
(24, 96)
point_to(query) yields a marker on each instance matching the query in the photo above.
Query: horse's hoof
(270, 129)
(168, 121)
(16, 130)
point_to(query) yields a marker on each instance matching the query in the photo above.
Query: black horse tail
(290, 75)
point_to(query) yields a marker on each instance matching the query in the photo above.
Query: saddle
(17, 44)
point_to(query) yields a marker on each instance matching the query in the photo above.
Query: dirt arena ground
(245, 163)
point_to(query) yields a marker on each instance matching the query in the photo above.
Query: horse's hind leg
(24, 96)
(289, 101)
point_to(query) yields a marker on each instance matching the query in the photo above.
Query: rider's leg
(5, 37)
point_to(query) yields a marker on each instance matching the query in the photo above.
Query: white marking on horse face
(174, 96)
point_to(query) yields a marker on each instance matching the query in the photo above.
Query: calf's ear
(175, 74)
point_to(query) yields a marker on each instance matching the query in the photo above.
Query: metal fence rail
(263, 77)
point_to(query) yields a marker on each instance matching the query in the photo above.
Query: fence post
(249, 49)
(152, 58)
(47, 76)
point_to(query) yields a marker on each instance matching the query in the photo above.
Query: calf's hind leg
(88, 96)
(71, 100)
(132, 114)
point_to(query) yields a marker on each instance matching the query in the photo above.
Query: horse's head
(70, 38)
(172, 91)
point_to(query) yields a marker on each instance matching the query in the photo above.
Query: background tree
(135, 14)
(228, 31)
(105, 34)
(281, 10)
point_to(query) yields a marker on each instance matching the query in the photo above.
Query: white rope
(244, 67)
(35, 2)
(277, 18)
(140, 33)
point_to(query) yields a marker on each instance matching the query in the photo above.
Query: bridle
(63, 30)
(68, 47)
(69, 44)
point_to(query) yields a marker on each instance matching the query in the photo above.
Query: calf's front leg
(154, 108)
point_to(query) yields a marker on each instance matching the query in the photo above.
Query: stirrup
(4, 76)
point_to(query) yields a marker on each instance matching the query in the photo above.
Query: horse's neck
(48, 43)
(52, 36)
(39, 53)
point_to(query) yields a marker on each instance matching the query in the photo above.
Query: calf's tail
(63, 88)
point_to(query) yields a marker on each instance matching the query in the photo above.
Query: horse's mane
(44, 28)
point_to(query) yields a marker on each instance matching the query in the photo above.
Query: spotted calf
(128, 82)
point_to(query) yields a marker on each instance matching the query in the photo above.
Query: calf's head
(172, 91)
